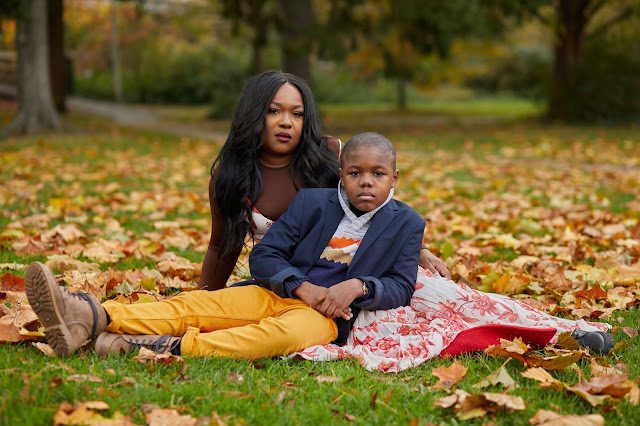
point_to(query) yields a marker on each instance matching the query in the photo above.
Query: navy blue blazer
(386, 260)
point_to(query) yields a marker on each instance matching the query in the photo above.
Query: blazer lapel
(379, 223)
(334, 214)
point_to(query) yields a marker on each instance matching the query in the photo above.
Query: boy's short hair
(369, 140)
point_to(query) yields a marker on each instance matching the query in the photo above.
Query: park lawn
(560, 194)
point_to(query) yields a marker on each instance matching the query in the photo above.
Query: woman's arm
(216, 271)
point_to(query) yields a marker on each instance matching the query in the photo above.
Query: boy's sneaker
(69, 319)
(114, 343)
(598, 341)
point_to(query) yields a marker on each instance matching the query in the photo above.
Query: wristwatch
(365, 289)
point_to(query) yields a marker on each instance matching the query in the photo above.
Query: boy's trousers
(239, 322)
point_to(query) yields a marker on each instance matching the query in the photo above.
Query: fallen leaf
(44, 348)
(515, 346)
(611, 384)
(448, 376)
(281, 396)
(84, 378)
(147, 355)
(323, 379)
(216, 417)
(168, 417)
(83, 413)
(499, 376)
(468, 406)
(551, 418)
(234, 378)
(10, 282)
(503, 400)
(541, 375)
(566, 341)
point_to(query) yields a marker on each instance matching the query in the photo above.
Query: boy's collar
(344, 202)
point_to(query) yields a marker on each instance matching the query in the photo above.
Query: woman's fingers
(443, 271)
(433, 263)
(441, 268)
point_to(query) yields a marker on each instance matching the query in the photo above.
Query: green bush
(94, 85)
(526, 73)
(179, 74)
(227, 78)
(337, 84)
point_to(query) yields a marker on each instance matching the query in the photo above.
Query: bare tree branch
(595, 7)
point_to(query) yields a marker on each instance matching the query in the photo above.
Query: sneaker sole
(39, 284)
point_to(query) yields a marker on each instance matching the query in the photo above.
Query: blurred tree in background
(36, 108)
(258, 16)
(574, 23)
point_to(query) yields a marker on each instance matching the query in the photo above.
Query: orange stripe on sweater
(341, 242)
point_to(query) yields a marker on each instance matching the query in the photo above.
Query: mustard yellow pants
(239, 322)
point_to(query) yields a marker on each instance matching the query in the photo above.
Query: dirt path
(139, 117)
(136, 116)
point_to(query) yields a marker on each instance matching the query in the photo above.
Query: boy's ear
(340, 174)
(396, 175)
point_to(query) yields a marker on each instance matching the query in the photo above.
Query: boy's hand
(314, 296)
(339, 297)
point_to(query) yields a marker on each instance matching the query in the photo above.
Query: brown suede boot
(69, 319)
(114, 343)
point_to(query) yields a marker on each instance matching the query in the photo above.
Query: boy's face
(367, 176)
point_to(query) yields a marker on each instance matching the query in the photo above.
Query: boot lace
(94, 309)
(161, 345)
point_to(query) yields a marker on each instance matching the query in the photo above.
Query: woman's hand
(315, 296)
(433, 263)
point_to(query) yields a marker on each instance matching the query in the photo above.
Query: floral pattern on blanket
(401, 338)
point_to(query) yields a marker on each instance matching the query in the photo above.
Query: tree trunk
(115, 53)
(36, 110)
(570, 32)
(258, 43)
(295, 34)
(58, 69)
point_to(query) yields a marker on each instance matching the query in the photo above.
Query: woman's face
(283, 126)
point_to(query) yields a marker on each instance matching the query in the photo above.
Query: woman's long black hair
(236, 172)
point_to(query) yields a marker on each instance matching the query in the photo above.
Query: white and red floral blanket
(444, 317)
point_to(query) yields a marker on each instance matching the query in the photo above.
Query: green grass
(460, 163)
(275, 390)
(504, 107)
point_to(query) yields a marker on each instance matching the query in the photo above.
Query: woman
(275, 148)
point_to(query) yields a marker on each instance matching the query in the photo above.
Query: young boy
(331, 254)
